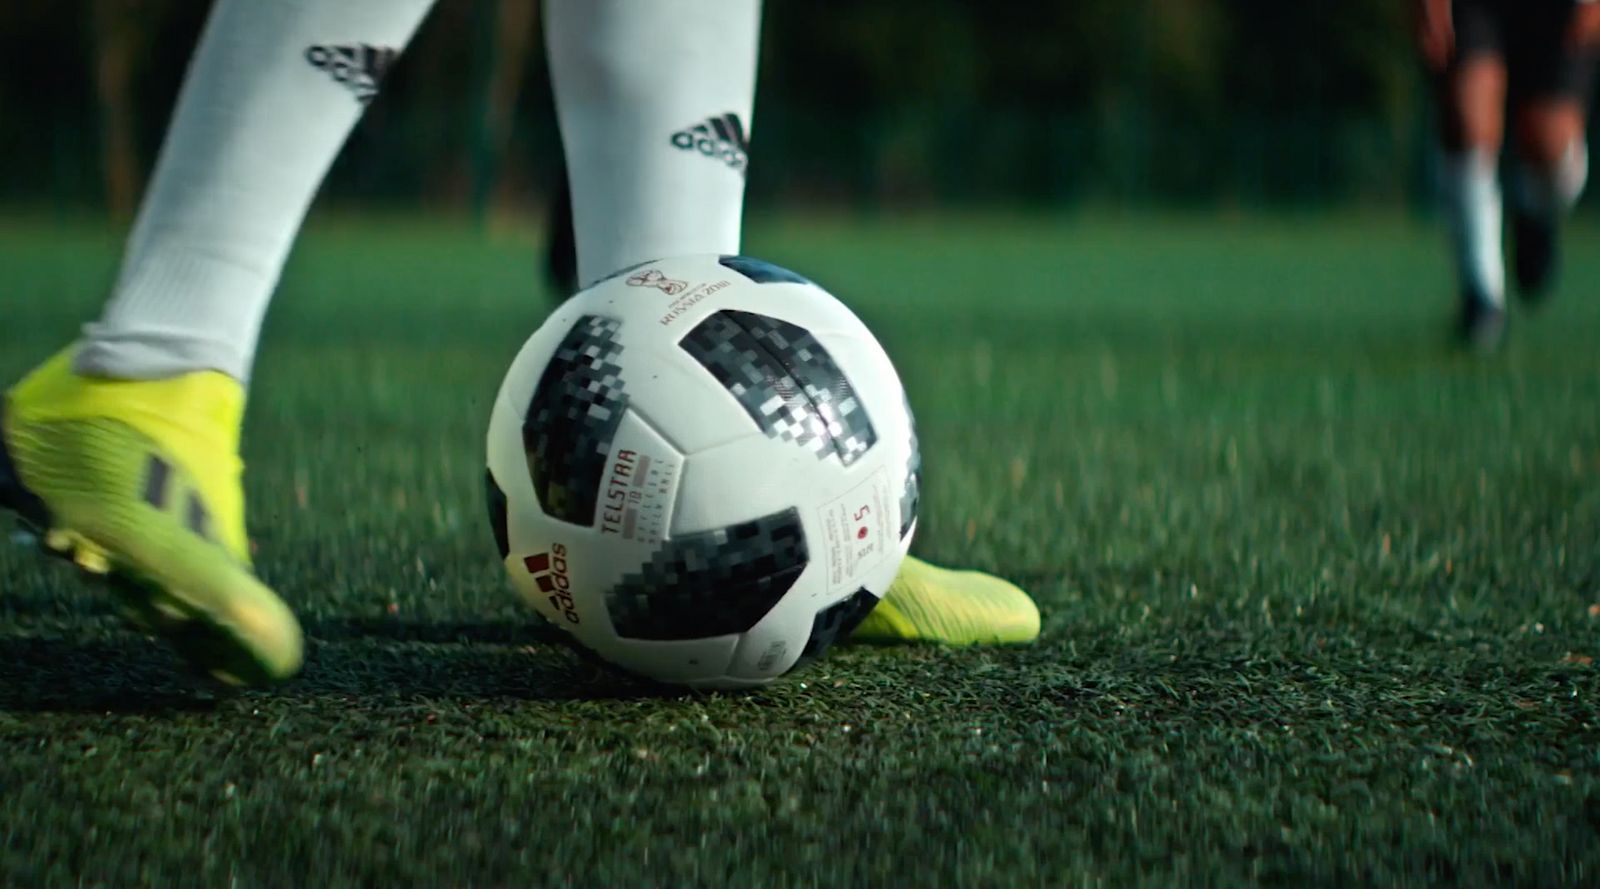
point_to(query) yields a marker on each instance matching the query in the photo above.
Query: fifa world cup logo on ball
(653, 278)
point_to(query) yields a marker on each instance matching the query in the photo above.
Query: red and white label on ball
(857, 531)
(639, 486)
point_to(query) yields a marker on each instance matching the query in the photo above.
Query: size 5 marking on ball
(856, 531)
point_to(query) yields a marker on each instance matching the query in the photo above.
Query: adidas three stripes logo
(720, 136)
(359, 66)
(158, 491)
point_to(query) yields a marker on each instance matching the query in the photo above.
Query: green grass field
(1317, 592)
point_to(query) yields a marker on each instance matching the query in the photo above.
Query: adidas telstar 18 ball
(704, 469)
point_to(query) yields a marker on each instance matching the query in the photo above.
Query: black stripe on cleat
(13, 495)
(198, 520)
(156, 475)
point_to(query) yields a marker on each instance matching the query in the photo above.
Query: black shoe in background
(1534, 239)
(1482, 324)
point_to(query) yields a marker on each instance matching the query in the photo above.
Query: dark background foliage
(895, 102)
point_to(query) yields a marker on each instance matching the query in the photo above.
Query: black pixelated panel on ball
(834, 623)
(761, 271)
(785, 380)
(911, 496)
(572, 419)
(495, 499)
(713, 583)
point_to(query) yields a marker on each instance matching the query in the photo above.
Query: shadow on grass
(434, 632)
(378, 661)
(41, 674)
(389, 657)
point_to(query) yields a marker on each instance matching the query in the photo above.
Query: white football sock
(270, 95)
(1472, 201)
(654, 99)
(1553, 192)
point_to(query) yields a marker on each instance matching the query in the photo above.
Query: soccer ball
(704, 470)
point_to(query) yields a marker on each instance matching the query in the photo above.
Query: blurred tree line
(893, 102)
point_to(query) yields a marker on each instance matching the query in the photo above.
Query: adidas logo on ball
(720, 136)
(549, 572)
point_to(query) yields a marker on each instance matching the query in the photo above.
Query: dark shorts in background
(1531, 35)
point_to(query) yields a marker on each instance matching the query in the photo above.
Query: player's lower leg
(123, 450)
(1552, 168)
(1473, 204)
(654, 100)
(655, 104)
(1472, 122)
(560, 247)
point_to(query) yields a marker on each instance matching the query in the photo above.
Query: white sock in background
(273, 90)
(1471, 189)
(1551, 193)
(654, 98)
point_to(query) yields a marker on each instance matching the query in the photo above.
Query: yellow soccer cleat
(138, 481)
(927, 603)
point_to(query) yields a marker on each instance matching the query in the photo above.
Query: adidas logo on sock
(720, 136)
(359, 66)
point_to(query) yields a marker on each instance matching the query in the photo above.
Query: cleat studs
(90, 557)
(92, 561)
(57, 540)
(227, 678)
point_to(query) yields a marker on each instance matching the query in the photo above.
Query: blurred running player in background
(1535, 60)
